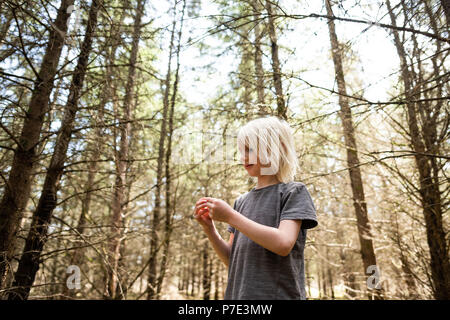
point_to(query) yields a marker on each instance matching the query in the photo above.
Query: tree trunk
(154, 243)
(352, 288)
(206, 277)
(429, 189)
(329, 275)
(281, 105)
(122, 156)
(245, 73)
(17, 188)
(55, 288)
(308, 277)
(259, 69)
(29, 262)
(364, 232)
(319, 281)
(324, 280)
(192, 275)
(406, 266)
(216, 280)
(170, 210)
(108, 94)
(78, 253)
(345, 271)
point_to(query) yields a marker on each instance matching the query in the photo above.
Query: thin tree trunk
(429, 189)
(329, 275)
(330, 279)
(410, 282)
(308, 277)
(206, 279)
(216, 280)
(406, 268)
(352, 288)
(186, 278)
(54, 287)
(117, 219)
(192, 274)
(345, 271)
(181, 274)
(281, 105)
(154, 243)
(245, 71)
(17, 188)
(259, 71)
(29, 262)
(324, 280)
(319, 281)
(359, 202)
(108, 94)
(170, 210)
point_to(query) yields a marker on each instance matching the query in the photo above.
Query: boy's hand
(219, 210)
(202, 215)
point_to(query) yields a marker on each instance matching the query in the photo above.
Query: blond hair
(274, 140)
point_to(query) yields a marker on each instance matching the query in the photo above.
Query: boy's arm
(220, 246)
(279, 240)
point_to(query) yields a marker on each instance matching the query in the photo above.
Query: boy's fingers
(204, 205)
(200, 213)
(206, 199)
(198, 204)
(197, 207)
(201, 205)
(201, 208)
(200, 201)
(201, 218)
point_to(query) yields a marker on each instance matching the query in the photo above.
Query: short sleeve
(230, 228)
(297, 204)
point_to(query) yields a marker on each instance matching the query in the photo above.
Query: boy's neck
(264, 181)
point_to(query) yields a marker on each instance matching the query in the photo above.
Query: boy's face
(251, 162)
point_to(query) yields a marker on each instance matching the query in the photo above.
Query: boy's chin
(254, 174)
